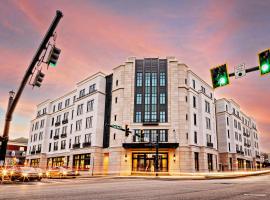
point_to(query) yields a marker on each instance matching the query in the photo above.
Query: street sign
(240, 70)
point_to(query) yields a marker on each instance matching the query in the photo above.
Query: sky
(100, 35)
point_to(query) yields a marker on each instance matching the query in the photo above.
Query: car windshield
(26, 169)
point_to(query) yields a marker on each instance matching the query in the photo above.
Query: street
(254, 187)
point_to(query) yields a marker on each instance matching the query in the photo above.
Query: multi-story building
(161, 97)
(16, 151)
(68, 131)
(238, 143)
(159, 100)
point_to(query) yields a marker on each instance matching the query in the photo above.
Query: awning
(150, 145)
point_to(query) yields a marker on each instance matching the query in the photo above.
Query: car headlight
(40, 174)
(47, 173)
(4, 172)
(24, 174)
(76, 172)
(12, 172)
(64, 173)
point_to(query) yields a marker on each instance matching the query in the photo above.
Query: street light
(11, 93)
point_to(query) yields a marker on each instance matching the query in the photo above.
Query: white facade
(69, 125)
(238, 137)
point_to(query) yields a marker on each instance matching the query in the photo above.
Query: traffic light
(126, 130)
(38, 79)
(264, 62)
(220, 76)
(53, 57)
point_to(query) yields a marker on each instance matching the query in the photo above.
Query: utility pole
(13, 102)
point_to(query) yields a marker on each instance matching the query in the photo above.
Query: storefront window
(82, 161)
(34, 162)
(145, 162)
(56, 162)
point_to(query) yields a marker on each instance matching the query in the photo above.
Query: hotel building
(159, 99)
(238, 143)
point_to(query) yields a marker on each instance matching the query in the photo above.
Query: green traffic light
(265, 68)
(264, 62)
(220, 76)
(52, 64)
(223, 81)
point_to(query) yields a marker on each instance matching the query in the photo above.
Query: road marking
(256, 195)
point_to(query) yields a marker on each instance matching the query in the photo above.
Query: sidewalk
(186, 176)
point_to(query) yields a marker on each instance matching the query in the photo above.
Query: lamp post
(4, 139)
(157, 154)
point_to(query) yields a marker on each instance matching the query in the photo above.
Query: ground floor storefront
(237, 162)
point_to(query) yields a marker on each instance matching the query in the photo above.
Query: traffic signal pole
(257, 68)
(28, 73)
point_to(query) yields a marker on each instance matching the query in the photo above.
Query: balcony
(76, 146)
(33, 152)
(86, 144)
(63, 135)
(38, 151)
(56, 137)
(210, 144)
(57, 123)
(258, 156)
(65, 121)
(150, 123)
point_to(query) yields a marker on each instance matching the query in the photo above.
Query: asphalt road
(256, 187)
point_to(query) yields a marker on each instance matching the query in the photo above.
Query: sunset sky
(100, 35)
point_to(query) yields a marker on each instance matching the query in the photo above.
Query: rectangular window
(78, 125)
(193, 84)
(139, 98)
(87, 138)
(92, 88)
(55, 146)
(42, 123)
(196, 159)
(82, 93)
(162, 81)
(163, 136)
(194, 102)
(65, 116)
(195, 119)
(138, 117)
(64, 130)
(139, 79)
(50, 147)
(195, 138)
(63, 144)
(207, 107)
(162, 117)
(79, 109)
(57, 132)
(60, 106)
(40, 136)
(77, 139)
(208, 123)
(67, 102)
(58, 119)
(89, 121)
(162, 99)
(90, 105)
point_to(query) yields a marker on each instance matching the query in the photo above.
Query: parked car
(24, 174)
(4, 174)
(59, 172)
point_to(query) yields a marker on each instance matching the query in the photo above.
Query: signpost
(240, 70)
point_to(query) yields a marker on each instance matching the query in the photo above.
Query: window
(51, 134)
(236, 136)
(90, 105)
(78, 125)
(195, 119)
(162, 116)
(162, 99)
(195, 137)
(138, 117)
(35, 137)
(40, 136)
(52, 121)
(65, 116)
(89, 121)
(116, 82)
(53, 108)
(208, 138)
(115, 100)
(114, 136)
(139, 79)
(63, 144)
(39, 148)
(42, 123)
(115, 116)
(207, 107)
(203, 89)
(36, 125)
(77, 139)
(58, 119)
(229, 145)
(235, 124)
(87, 138)
(64, 130)
(74, 99)
(92, 88)
(194, 102)
(163, 136)
(228, 133)
(82, 93)
(60, 106)
(162, 80)
(193, 84)
(79, 109)
(67, 102)
(227, 121)
(186, 99)
(50, 147)
(208, 123)
(55, 146)
(196, 159)
(57, 132)
(139, 98)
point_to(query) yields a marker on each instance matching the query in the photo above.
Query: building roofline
(91, 77)
(193, 73)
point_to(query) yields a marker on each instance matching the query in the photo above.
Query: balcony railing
(76, 146)
(56, 137)
(150, 122)
(86, 144)
(65, 121)
(63, 135)
(38, 151)
(240, 152)
(210, 144)
(257, 156)
(33, 152)
(57, 123)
